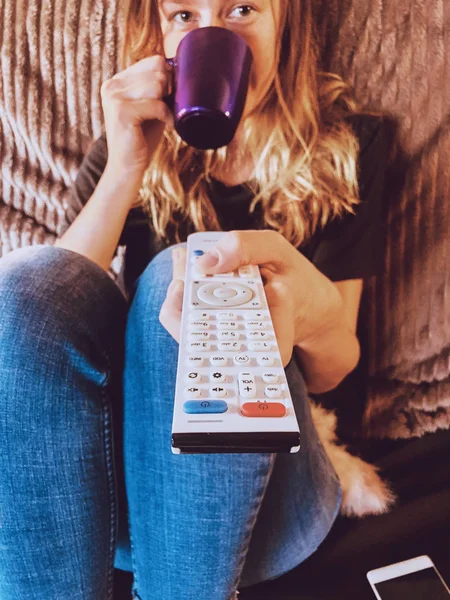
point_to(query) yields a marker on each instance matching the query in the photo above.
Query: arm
(95, 233)
(350, 250)
(334, 351)
(127, 106)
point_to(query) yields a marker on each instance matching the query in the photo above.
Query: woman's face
(255, 22)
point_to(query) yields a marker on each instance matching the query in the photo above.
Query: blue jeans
(87, 477)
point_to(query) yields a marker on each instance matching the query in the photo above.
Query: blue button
(198, 252)
(194, 407)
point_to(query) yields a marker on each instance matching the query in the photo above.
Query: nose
(216, 21)
(212, 20)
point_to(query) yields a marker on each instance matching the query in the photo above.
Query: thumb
(239, 248)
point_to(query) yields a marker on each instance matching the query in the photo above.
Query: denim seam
(135, 594)
(111, 478)
(264, 479)
(133, 562)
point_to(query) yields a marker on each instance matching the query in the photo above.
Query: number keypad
(235, 339)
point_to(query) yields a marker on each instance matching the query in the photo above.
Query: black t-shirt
(349, 247)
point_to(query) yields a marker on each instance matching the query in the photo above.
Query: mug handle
(170, 99)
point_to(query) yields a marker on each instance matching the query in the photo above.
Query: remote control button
(217, 392)
(246, 377)
(247, 391)
(198, 252)
(247, 385)
(218, 361)
(263, 409)
(194, 377)
(265, 361)
(196, 407)
(195, 361)
(227, 325)
(251, 316)
(259, 346)
(205, 293)
(198, 315)
(230, 346)
(199, 325)
(242, 359)
(255, 325)
(224, 292)
(258, 335)
(273, 391)
(228, 335)
(248, 271)
(229, 274)
(217, 377)
(199, 346)
(199, 335)
(227, 316)
(270, 377)
(193, 392)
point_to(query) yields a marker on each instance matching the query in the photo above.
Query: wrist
(130, 176)
(320, 314)
(127, 183)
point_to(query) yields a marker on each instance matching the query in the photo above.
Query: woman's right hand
(135, 114)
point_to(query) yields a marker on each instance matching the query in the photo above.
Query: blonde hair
(304, 151)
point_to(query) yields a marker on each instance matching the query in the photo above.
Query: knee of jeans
(43, 263)
(56, 287)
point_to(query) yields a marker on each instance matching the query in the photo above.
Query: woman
(87, 371)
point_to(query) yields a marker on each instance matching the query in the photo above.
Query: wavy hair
(304, 151)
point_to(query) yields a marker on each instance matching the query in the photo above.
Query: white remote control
(231, 390)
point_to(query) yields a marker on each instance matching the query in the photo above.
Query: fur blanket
(54, 57)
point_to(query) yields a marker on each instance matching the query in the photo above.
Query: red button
(263, 409)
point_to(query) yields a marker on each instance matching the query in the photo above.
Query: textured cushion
(397, 56)
(54, 58)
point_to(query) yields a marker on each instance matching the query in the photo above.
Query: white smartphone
(414, 579)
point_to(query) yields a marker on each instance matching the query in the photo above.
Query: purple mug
(211, 73)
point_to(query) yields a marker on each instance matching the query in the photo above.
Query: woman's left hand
(302, 301)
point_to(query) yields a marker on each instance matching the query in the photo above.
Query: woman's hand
(170, 313)
(302, 301)
(135, 115)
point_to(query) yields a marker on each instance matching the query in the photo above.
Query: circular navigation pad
(224, 294)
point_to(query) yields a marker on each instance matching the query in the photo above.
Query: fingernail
(176, 254)
(210, 259)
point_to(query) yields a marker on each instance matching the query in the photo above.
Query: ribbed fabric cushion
(54, 57)
(396, 53)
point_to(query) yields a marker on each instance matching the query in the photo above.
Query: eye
(182, 12)
(184, 17)
(245, 10)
